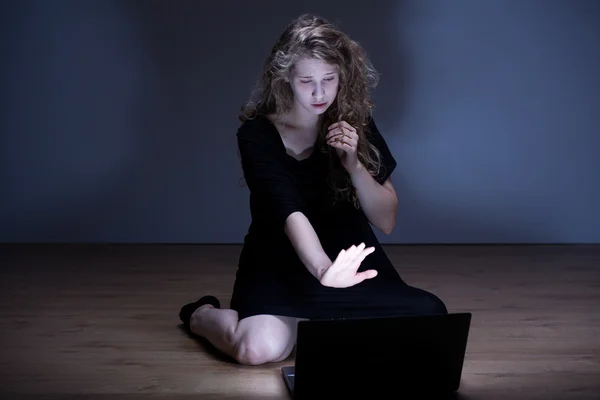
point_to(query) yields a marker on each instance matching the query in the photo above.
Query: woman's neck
(302, 119)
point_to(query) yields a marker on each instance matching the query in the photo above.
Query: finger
(339, 145)
(342, 133)
(341, 123)
(349, 255)
(345, 130)
(335, 132)
(344, 147)
(351, 251)
(344, 138)
(334, 135)
(360, 257)
(345, 257)
(357, 257)
(351, 133)
(334, 125)
(337, 135)
(368, 274)
(347, 127)
(360, 246)
(354, 250)
(344, 144)
(347, 146)
(368, 250)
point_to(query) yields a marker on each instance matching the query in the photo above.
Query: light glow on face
(315, 85)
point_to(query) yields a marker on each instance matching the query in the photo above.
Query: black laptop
(379, 357)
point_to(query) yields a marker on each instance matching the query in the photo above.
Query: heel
(186, 311)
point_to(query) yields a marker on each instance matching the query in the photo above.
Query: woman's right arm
(274, 186)
(343, 271)
(305, 241)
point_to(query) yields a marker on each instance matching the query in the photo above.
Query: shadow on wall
(455, 185)
(76, 80)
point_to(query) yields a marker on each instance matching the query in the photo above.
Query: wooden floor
(102, 320)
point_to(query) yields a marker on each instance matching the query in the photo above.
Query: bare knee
(257, 350)
(263, 339)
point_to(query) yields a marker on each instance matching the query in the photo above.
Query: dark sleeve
(270, 181)
(388, 163)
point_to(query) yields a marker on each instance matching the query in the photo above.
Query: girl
(318, 171)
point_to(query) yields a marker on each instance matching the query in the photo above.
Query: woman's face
(315, 84)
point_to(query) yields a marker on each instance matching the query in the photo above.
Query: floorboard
(100, 321)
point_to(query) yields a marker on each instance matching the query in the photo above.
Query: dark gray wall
(119, 118)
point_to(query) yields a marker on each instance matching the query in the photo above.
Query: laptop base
(413, 355)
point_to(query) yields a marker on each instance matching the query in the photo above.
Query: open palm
(343, 272)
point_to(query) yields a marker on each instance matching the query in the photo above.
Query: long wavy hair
(310, 36)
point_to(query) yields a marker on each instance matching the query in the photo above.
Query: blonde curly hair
(311, 36)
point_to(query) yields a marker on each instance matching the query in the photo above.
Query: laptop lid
(376, 356)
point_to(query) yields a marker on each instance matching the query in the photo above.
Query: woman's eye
(326, 79)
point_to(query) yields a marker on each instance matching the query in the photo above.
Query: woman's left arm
(379, 202)
(376, 195)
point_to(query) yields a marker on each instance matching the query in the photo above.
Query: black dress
(271, 279)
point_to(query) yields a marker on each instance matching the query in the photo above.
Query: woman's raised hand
(343, 272)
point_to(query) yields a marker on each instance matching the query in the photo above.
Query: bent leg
(425, 303)
(254, 340)
(405, 300)
(265, 338)
(216, 325)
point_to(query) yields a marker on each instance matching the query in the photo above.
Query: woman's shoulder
(372, 131)
(260, 133)
(258, 126)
